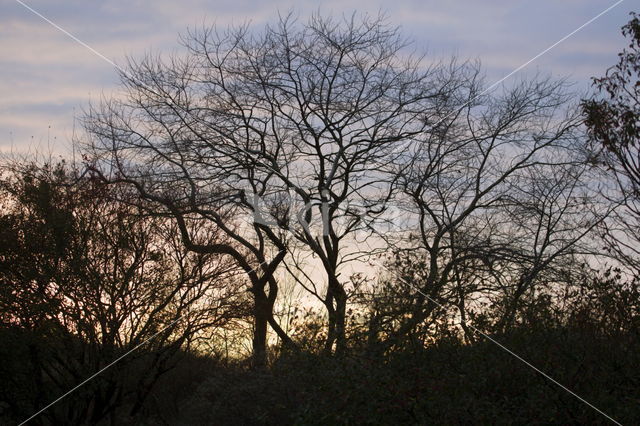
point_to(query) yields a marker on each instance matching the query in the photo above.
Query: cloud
(44, 74)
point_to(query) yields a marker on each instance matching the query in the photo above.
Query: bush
(448, 383)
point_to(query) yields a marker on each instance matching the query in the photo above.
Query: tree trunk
(271, 299)
(260, 320)
(341, 317)
(336, 330)
(331, 325)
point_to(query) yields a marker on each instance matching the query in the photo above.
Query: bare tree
(179, 140)
(304, 118)
(500, 195)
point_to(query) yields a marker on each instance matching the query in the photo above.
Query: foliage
(84, 279)
(612, 117)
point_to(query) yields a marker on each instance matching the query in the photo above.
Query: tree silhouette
(612, 117)
(85, 278)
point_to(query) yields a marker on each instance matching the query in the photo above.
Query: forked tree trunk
(336, 302)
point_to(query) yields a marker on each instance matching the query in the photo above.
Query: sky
(47, 78)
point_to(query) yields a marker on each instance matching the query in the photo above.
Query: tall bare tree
(303, 117)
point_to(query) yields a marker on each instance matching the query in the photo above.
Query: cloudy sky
(46, 78)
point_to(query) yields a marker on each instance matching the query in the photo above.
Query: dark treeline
(309, 225)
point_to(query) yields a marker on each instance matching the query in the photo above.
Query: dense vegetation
(306, 226)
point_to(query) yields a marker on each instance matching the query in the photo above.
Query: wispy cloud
(44, 74)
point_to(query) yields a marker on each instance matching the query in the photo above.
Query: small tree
(86, 278)
(499, 197)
